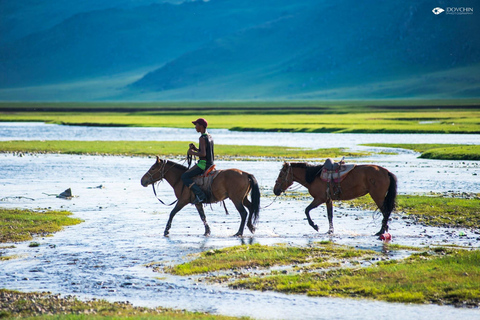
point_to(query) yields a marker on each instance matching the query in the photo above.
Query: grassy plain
(438, 275)
(22, 225)
(168, 149)
(266, 256)
(439, 151)
(449, 278)
(434, 210)
(14, 304)
(351, 117)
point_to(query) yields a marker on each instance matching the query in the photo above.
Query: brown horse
(380, 183)
(232, 183)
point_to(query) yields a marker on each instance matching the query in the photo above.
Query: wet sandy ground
(105, 256)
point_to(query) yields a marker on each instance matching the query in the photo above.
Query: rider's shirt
(207, 161)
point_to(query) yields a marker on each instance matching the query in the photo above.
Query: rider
(205, 153)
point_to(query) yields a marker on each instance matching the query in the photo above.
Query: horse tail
(255, 195)
(389, 202)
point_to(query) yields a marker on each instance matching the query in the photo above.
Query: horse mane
(177, 165)
(311, 171)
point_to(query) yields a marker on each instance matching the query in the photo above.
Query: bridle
(288, 172)
(162, 175)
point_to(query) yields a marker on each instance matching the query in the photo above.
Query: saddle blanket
(336, 175)
(205, 181)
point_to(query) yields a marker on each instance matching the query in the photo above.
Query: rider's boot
(199, 194)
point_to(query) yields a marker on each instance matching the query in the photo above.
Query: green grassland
(438, 275)
(168, 149)
(449, 278)
(434, 210)
(351, 117)
(14, 304)
(439, 151)
(265, 256)
(22, 225)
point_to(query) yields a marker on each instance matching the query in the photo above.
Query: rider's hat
(201, 121)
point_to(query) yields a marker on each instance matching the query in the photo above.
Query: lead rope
(155, 193)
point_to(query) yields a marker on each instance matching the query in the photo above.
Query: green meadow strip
(434, 210)
(167, 149)
(438, 151)
(262, 117)
(35, 305)
(249, 256)
(21, 225)
(448, 279)
(440, 275)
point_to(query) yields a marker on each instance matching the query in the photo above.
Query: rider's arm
(201, 151)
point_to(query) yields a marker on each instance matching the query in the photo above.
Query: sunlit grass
(448, 279)
(257, 116)
(34, 305)
(439, 151)
(168, 149)
(434, 210)
(256, 255)
(21, 225)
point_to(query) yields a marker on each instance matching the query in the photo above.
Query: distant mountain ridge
(247, 50)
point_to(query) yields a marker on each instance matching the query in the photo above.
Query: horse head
(154, 174)
(284, 180)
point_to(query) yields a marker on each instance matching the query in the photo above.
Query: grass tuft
(21, 225)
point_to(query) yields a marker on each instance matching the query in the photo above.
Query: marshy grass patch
(14, 304)
(170, 149)
(435, 210)
(258, 256)
(22, 225)
(438, 151)
(442, 277)
(390, 116)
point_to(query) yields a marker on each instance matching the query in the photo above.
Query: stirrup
(198, 200)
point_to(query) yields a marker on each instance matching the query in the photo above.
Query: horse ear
(158, 159)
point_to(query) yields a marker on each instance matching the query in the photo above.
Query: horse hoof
(238, 235)
(166, 234)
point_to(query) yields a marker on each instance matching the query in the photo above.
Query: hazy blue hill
(115, 40)
(236, 49)
(24, 17)
(328, 46)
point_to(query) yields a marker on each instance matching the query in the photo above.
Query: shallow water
(105, 256)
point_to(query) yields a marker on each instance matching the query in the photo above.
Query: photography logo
(453, 10)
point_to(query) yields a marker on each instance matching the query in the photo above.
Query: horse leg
(243, 215)
(379, 200)
(329, 205)
(204, 219)
(177, 208)
(315, 203)
(249, 206)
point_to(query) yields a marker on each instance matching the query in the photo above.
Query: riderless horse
(380, 183)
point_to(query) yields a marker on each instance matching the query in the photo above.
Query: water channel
(105, 256)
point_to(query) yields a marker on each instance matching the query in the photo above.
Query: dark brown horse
(380, 183)
(232, 183)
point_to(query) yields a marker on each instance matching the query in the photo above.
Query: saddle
(205, 180)
(335, 172)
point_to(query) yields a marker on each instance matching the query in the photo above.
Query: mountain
(241, 50)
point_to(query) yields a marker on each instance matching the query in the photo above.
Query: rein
(155, 193)
(162, 175)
